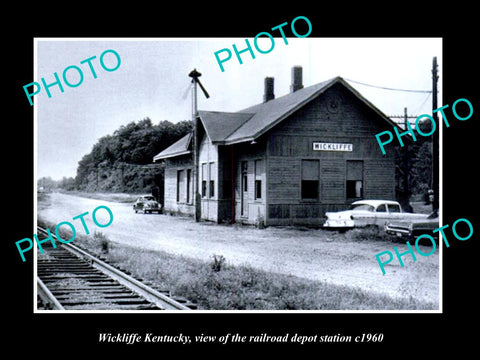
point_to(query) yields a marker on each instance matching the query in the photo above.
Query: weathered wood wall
(337, 116)
(172, 166)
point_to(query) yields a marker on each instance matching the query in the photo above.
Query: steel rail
(47, 297)
(160, 300)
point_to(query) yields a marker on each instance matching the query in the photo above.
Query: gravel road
(314, 254)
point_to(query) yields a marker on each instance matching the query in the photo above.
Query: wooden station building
(284, 161)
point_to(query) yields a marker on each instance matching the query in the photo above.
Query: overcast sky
(152, 81)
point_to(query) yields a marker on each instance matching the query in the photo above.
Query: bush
(373, 233)
(217, 263)
(102, 240)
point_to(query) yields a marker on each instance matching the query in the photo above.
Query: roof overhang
(214, 123)
(161, 157)
(179, 148)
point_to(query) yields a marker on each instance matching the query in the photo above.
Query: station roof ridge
(228, 128)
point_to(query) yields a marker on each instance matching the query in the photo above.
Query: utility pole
(194, 74)
(406, 184)
(435, 142)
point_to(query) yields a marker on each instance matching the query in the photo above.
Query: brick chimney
(296, 79)
(268, 94)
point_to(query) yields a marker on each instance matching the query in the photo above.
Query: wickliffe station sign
(319, 146)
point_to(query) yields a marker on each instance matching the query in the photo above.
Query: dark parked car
(415, 227)
(147, 204)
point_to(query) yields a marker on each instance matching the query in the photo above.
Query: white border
(183, 312)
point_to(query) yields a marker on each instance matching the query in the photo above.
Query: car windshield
(365, 207)
(145, 198)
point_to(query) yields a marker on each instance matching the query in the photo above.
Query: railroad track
(69, 278)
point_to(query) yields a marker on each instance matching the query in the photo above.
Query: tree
(46, 184)
(114, 163)
(420, 165)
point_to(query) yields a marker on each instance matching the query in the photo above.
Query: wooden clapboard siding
(219, 207)
(332, 181)
(283, 179)
(379, 179)
(349, 117)
(297, 145)
(172, 166)
(292, 141)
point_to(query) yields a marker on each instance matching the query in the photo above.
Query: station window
(258, 189)
(354, 179)
(212, 172)
(189, 186)
(245, 176)
(204, 180)
(212, 189)
(310, 179)
(259, 170)
(180, 186)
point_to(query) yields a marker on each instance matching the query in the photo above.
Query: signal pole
(194, 74)
(406, 179)
(435, 140)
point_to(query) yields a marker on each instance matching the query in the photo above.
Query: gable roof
(227, 128)
(219, 125)
(269, 114)
(252, 122)
(181, 147)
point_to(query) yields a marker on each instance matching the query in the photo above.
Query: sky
(152, 81)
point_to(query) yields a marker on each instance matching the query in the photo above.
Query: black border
(405, 333)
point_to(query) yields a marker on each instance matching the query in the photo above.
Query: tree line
(122, 162)
(414, 160)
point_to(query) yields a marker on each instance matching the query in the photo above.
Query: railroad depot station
(285, 161)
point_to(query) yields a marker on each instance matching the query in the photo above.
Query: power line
(424, 101)
(388, 88)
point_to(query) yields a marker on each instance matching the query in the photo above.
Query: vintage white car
(368, 212)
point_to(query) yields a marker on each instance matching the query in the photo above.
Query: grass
(369, 233)
(114, 197)
(218, 285)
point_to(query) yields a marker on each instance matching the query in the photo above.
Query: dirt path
(312, 254)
